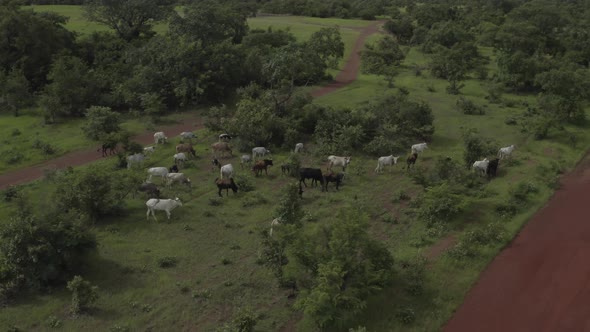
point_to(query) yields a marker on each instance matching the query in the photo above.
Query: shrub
(119, 328)
(167, 262)
(244, 320)
(10, 193)
(16, 132)
(244, 183)
(225, 261)
(406, 315)
(439, 204)
(83, 294)
(13, 156)
(217, 201)
(100, 121)
(476, 147)
(468, 107)
(53, 322)
(254, 200)
(414, 274)
(46, 148)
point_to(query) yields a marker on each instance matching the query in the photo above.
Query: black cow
(226, 184)
(262, 165)
(411, 160)
(151, 190)
(492, 168)
(315, 174)
(333, 177)
(111, 147)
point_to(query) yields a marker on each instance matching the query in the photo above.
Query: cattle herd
(259, 161)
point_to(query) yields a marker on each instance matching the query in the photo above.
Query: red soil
(348, 74)
(541, 282)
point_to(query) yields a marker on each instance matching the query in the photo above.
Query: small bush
(225, 261)
(167, 262)
(511, 121)
(53, 322)
(244, 183)
(402, 196)
(14, 156)
(254, 200)
(83, 294)
(430, 87)
(468, 107)
(119, 328)
(406, 316)
(15, 132)
(203, 294)
(10, 193)
(245, 320)
(215, 201)
(414, 273)
(439, 204)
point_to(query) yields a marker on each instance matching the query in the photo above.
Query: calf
(173, 178)
(149, 150)
(338, 161)
(157, 171)
(286, 169)
(224, 137)
(298, 147)
(151, 190)
(492, 168)
(315, 174)
(332, 177)
(226, 184)
(222, 147)
(188, 135)
(481, 166)
(135, 159)
(411, 161)
(419, 148)
(187, 148)
(506, 151)
(160, 138)
(110, 146)
(155, 204)
(259, 151)
(226, 171)
(179, 157)
(385, 161)
(262, 165)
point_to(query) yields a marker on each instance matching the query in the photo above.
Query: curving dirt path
(346, 76)
(541, 281)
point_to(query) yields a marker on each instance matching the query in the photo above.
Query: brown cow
(221, 147)
(186, 147)
(261, 165)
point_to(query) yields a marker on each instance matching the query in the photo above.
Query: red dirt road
(348, 75)
(541, 281)
(350, 71)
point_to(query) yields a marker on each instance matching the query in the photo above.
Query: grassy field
(202, 293)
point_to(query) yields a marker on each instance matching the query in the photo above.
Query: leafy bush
(100, 121)
(476, 147)
(10, 193)
(13, 156)
(414, 273)
(167, 262)
(83, 294)
(439, 204)
(46, 148)
(244, 320)
(471, 241)
(254, 199)
(53, 322)
(468, 107)
(37, 252)
(406, 315)
(244, 183)
(15, 132)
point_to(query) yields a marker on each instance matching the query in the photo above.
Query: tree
(327, 43)
(71, 89)
(476, 147)
(453, 64)
(211, 22)
(38, 251)
(30, 40)
(563, 92)
(254, 123)
(401, 27)
(15, 91)
(341, 265)
(100, 121)
(382, 58)
(131, 19)
(439, 204)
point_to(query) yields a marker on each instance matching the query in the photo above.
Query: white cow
(274, 223)
(481, 166)
(159, 137)
(259, 151)
(245, 160)
(188, 135)
(133, 159)
(157, 171)
(177, 178)
(224, 137)
(167, 205)
(506, 151)
(149, 150)
(419, 148)
(338, 161)
(180, 157)
(226, 171)
(385, 161)
(298, 147)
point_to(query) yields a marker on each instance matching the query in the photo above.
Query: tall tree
(327, 43)
(131, 19)
(15, 91)
(382, 58)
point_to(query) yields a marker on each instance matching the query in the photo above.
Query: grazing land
(216, 242)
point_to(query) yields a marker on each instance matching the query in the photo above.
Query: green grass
(126, 267)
